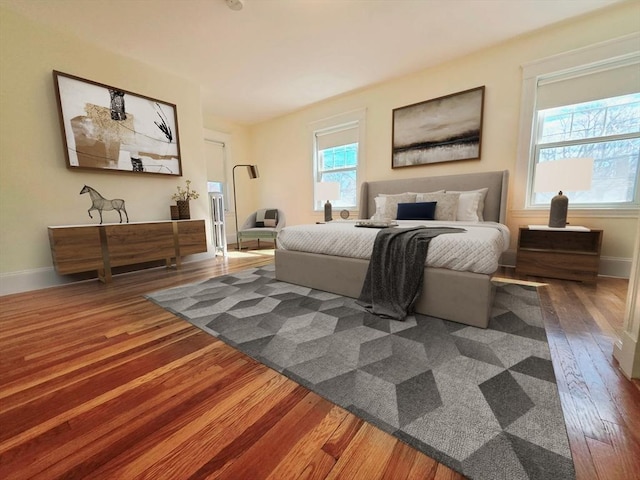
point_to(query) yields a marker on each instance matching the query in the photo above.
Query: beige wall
(283, 147)
(36, 188)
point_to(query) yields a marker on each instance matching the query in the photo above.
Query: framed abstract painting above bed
(443, 129)
(108, 128)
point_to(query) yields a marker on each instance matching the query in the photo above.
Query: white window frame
(611, 50)
(355, 118)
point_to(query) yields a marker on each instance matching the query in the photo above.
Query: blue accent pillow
(417, 211)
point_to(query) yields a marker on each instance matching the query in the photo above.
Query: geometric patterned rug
(482, 401)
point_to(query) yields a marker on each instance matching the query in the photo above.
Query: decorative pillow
(387, 205)
(447, 204)
(417, 211)
(424, 193)
(380, 204)
(471, 205)
(267, 218)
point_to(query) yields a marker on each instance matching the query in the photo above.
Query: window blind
(337, 137)
(215, 154)
(607, 80)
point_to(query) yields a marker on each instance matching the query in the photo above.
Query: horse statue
(99, 203)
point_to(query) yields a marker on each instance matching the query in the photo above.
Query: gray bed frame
(462, 297)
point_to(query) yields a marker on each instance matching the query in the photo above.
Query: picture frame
(111, 129)
(443, 129)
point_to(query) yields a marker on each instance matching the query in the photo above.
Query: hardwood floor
(97, 382)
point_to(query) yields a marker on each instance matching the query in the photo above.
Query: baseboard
(36, 279)
(609, 266)
(625, 351)
(39, 278)
(28, 280)
(615, 267)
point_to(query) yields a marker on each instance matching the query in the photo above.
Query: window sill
(578, 212)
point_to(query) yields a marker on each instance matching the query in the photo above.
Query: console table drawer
(101, 247)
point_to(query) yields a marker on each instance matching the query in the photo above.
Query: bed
(451, 292)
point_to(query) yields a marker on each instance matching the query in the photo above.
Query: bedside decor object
(377, 223)
(344, 214)
(328, 191)
(99, 203)
(444, 129)
(175, 213)
(184, 212)
(182, 198)
(252, 170)
(109, 128)
(568, 174)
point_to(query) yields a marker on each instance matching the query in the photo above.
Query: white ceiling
(276, 56)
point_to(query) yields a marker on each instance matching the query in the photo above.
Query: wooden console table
(84, 248)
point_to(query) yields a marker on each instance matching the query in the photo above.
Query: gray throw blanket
(394, 278)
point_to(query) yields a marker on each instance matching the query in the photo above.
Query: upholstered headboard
(495, 204)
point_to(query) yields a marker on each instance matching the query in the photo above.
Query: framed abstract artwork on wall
(108, 128)
(443, 129)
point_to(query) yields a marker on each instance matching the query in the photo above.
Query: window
(216, 153)
(583, 104)
(337, 148)
(607, 131)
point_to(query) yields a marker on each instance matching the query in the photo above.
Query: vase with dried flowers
(182, 198)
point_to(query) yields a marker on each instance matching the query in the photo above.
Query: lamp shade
(253, 171)
(568, 175)
(327, 191)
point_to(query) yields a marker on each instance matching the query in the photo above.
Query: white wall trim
(576, 212)
(28, 280)
(46, 277)
(359, 116)
(591, 54)
(39, 278)
(627, 349)
(615, 267)
(616, 47)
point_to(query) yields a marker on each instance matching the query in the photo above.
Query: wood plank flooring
(96, 382)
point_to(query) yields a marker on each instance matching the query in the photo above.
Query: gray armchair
(252, 230)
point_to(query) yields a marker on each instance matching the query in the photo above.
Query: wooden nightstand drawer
(565, 254)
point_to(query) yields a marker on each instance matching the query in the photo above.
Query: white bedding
(476, 250)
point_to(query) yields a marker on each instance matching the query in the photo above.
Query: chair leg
(258, 243)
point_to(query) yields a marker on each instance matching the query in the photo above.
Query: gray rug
(483, 402)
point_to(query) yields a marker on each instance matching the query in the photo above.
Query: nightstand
(569, 254)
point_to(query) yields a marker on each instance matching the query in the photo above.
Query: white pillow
(387, 205)
(425, 196)
(447, 204)
(418, 193)
(471, 205)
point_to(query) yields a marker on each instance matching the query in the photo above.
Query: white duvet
(478, 249)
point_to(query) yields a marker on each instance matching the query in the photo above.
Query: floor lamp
(252, 170)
